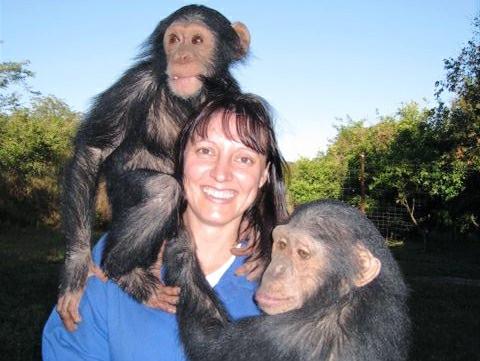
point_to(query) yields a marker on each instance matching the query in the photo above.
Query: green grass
(446, 317)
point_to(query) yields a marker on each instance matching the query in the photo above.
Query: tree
(34, 144)
(458, 128)
(313, 179)
(13, 74)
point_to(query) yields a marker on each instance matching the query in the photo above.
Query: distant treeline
(424, 160)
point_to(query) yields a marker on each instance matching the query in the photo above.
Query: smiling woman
(222, 175)
(232, 175)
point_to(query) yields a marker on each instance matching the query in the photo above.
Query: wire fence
(392, 219)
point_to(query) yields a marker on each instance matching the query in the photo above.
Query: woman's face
(221, 176)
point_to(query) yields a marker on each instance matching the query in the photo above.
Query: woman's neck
(213, 242)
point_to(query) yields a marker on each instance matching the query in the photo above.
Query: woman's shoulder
(237, 292)
(98, 249)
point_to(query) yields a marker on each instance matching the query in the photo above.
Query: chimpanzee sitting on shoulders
(128, 136)
(332, 292)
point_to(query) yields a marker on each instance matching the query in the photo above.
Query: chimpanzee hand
(68, 303)
(254, 266)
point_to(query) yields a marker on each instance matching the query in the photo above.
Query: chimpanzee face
(190, 49)
(303, 266)
(294, 273)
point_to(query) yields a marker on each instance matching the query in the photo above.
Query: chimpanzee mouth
(265, 299)
(184, 77)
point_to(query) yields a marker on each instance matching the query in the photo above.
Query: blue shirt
(116, 327)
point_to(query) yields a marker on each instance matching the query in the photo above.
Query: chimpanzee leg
(149, 200)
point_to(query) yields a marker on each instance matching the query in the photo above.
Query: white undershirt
(215, 276)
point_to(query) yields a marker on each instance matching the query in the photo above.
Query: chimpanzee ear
(244, 35)
(370, 266)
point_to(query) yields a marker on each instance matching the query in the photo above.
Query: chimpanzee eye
(281, 245)
(197, 39)
(173, 38)
(303, 254)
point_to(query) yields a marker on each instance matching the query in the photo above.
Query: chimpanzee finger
(252, 269)
(244, 269)
(171, 300)
(158, 304)
(171, 291)
(67, 319)
(60, 302)
(161, 296)
(166, 307)
(243, 251)
(97, 272)
(255, 273)
(73, 309)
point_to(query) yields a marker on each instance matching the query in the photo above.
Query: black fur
(129, 136)
(364, 324)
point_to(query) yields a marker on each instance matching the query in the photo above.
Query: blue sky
(314, 61)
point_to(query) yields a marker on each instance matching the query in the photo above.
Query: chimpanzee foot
(67, 308)
(69, 301)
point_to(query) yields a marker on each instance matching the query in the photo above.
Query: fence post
(362, 182)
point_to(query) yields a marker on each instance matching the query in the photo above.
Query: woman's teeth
(216, 193)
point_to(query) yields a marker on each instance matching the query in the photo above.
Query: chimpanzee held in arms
(332, 292)
(129, 135)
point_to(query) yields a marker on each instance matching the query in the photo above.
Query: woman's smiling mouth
(220, 194)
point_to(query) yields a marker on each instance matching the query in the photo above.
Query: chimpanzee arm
(205, 328)
(98, 136)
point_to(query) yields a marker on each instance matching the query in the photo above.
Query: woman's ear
(370, 266)
(265, 176)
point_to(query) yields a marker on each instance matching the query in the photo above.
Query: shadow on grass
(446, 317)
(29, 275)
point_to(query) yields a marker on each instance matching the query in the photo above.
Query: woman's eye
(303, 254)
(246, 160)
(197, 39)
(204, 151)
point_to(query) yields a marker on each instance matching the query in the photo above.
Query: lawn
(445, 315)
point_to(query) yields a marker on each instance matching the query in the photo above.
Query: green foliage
(313, 179)
(458, 133)
(34, 143)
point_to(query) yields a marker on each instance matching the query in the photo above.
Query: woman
(231, 171)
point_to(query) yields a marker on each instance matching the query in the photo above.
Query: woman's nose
(222, 171)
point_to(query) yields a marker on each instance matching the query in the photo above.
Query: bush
(34, 144)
